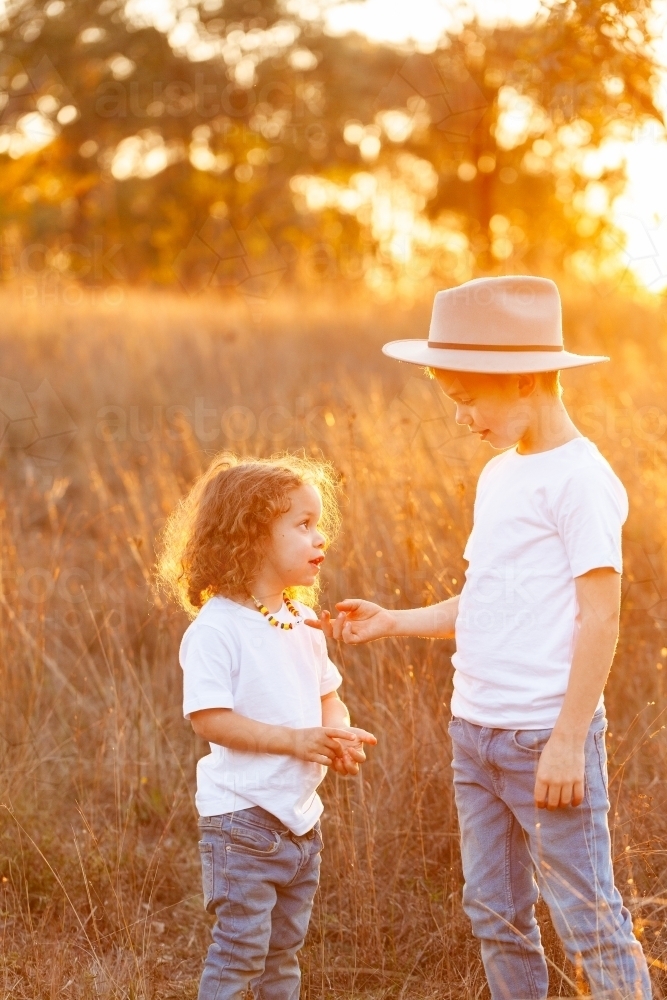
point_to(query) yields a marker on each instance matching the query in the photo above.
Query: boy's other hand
(358, 621)
(560, 774)
(324, 744)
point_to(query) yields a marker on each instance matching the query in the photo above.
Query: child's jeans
(260, 881)
(509, 848)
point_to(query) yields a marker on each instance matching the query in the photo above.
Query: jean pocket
(601, 753)
(318, 842)
(207, 872)
(453, 726)
(254, 840)
(533, 741)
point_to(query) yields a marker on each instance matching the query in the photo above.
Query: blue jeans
(510, 848)
(260, 881)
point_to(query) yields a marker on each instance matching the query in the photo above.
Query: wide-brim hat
(505, 325)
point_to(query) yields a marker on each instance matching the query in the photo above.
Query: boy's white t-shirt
(539, 521)
(232, 657)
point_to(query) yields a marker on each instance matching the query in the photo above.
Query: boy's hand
(322, 744)
(560, 774)
(353, 753)
(359, 621)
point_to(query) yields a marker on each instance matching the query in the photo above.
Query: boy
(536, 626)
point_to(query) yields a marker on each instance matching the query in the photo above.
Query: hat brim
(417, 352)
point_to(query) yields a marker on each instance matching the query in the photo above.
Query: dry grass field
(99, 870)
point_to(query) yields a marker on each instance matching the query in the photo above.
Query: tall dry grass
(99, 867)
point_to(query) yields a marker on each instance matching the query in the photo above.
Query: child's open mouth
(316, 562)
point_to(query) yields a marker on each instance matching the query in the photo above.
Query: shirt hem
(587, 567)
(518, 724)
(328, 690)
(191, 707)
(213, 807)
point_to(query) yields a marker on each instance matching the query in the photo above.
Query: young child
(258, 685)
(536, 626)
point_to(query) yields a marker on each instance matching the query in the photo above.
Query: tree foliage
(224, 143)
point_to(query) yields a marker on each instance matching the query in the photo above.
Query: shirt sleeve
(590, 513)
(206, 659)
(330, 676)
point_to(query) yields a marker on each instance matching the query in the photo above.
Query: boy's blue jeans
(260, 881)
(510, 848)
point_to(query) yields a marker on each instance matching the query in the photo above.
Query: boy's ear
(527, 384)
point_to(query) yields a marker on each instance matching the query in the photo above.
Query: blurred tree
(233, 143)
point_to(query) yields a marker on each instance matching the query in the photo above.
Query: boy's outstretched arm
(560, 772)
(362, 621)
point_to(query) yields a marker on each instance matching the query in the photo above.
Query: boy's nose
(462, 417)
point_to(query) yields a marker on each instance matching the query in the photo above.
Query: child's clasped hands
(340, 749)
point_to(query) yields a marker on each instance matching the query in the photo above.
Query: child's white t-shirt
(232, 657)
(540, 521)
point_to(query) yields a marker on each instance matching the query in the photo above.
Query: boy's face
(296, 549)
(494, 406)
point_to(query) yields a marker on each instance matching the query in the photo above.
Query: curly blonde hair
(215, 539)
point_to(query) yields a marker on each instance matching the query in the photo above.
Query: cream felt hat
(505, 325)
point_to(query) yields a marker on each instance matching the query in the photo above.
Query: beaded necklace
(272, 620)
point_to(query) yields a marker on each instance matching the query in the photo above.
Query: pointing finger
(348, 605)
(333, 744)
(364, 736)
(338, 625)
(325, 624)
(341, 734)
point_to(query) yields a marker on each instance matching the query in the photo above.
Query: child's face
(494, 406)
(297, 546)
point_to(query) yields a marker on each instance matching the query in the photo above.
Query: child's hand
(559, 781)
(353, 753)
(324, 744)
(323, 623)
(359, 621)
